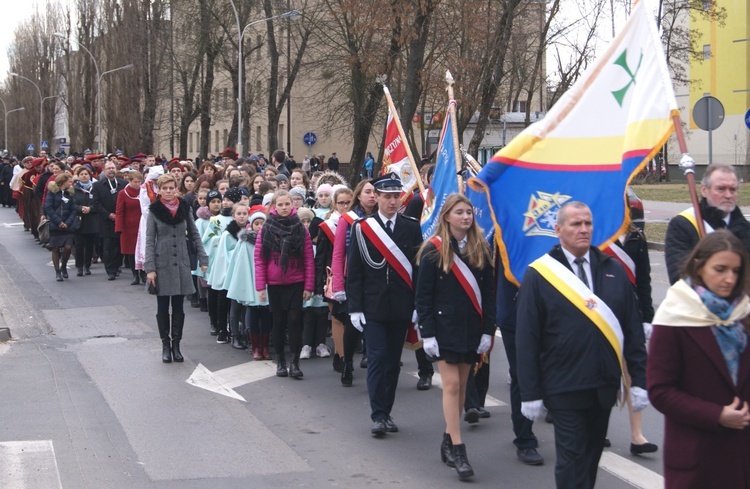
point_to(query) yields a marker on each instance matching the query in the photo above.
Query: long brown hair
(477, 250)
(716, 242)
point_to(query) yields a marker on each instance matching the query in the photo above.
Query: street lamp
(41, 104)
(291, 15)
(6, 111)
(98, 86)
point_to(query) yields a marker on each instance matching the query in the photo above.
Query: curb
(655, 246)
(4, 335)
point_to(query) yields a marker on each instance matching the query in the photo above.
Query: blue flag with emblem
(444, 179)
(596, 138)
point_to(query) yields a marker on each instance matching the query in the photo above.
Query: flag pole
(403, 138)
(454, 127)
(687, 165)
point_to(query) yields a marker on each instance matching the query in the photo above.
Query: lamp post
(98, 87)
(41, 103)
(291, 15)
(6, 111)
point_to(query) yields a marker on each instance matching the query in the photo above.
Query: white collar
(385, 219)
(571, 258)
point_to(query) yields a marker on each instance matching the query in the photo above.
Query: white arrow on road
(224, 381)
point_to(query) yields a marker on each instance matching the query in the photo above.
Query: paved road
(87, 403)
(663, 211)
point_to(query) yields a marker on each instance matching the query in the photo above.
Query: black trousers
(477, 386)
(286, 308)
(424, 366)
(385, 342)
(111, 254)
(84, 249)
(522, 426)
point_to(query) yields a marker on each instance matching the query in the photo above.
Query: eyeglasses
(344, 203)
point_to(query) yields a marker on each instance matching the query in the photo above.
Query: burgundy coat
(127, 219)
(688, 381)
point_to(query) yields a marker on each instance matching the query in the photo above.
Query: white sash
(388, 248)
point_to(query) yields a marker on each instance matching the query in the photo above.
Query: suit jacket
(688, 381)
(382, 294)
(105, 203)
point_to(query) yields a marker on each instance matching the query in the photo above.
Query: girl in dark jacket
(455, 263)
(85, 235)
(60, 209)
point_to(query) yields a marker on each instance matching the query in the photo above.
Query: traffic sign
(30, 148)
(708, 113)
(44, 145)
(64, 146)
(747, 118)
(310, 138)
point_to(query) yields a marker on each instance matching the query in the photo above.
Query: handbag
(328, 289)
(43, 230)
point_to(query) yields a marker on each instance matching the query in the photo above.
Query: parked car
(635, 204)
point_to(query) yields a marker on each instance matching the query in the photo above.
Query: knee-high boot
(178, 321)
(162, 320)
(256, 346)
(264, 340)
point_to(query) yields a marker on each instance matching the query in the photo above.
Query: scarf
(171, 205)
(732, 339)
(85, 186)
(283, 235)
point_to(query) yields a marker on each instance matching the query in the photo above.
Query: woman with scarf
(699, 368)
(60, 209)
(148, 194)
(167, 265)
(285, 265)
(127, 220)
(85, 235)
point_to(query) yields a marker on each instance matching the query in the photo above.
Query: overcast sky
(13, 12)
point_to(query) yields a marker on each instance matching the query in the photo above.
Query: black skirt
(58, 239)
(455, 357)
(285, 297)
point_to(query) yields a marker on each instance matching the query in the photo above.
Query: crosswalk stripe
(634, 474)
(28, 465)
(437, 381)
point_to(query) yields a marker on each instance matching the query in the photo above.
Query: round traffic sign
(309, 138)
(708, 113)
(747, 118)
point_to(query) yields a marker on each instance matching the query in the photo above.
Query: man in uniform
(104, 192)
(577, 322)
(380, 292)
(719, 210)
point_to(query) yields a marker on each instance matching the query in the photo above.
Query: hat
(299, 192)
(124, 159)
(388, 183)
(267, 198)
(256, 199)
(234, 194)
(213, 194)
(244, 190)
(37, 161)
(282, 178)
(154, 172)
(336, 188)
(94, 156)
(175, 163)
(324, 188)
(259, 214)
(305, 213)
(229, 153)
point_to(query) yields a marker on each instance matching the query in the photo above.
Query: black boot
(162, 320)
(347, 371)
(136, 278)
(294, 371)
(461, 462)
(203, 304)
(446, 451)
(58, 276)
(178, 321)
(281, 366)
(237, 343)
(80, 272)
(64, 269)
(87, 270)
(195, 300)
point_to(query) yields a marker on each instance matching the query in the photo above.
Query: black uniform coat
(90, 221)
(382, 295)
(560, 350)
(105, 203)
(445, 311)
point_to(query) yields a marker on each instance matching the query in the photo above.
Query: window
(258, 41)
(706, 51)
(280, 136)
(257, 139)
(258, 88)
(225, 99)
(218, 147)
(226, 136)
(190, 142)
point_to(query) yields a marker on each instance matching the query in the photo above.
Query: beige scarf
(683, 307)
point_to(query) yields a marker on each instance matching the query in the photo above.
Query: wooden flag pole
(403, 138)
(454, 127)
(687, 165)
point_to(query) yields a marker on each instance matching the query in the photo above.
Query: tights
(259, 319)
(286, 309)
(162, 304)
(66, 250)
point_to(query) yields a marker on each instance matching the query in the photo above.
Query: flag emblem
(541, 216)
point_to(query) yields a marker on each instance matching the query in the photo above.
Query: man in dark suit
(333, 163)
(104, 193)
(577, 317)
(380, 292)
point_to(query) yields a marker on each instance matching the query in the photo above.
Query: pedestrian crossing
(28, 465)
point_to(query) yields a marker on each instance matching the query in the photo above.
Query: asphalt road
(87, 403)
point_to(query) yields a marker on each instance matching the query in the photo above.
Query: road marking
(437, 381)
(28, 465)
(12, 224)
(634, 474)
(224, 381)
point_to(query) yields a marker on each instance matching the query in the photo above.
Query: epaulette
(410, 218)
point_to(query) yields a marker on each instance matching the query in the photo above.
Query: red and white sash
(388, 248)
(464, 276)
(350, 217)
(329, 228)
(627, 263)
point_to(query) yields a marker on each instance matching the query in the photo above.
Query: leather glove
(484, 344)
(647, 329)
(532, 409)
(430, 346)
(339, 296)
(639, 399)
(358, 320)
(414, 317)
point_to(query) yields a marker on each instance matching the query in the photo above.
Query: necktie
(389, 225)
(581, 272)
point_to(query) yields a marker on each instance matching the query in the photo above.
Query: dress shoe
(472, 416)
(529, 456)
(363, 362)
(446, 450)
(80, 272)
(347, 376)
(483, 413)
(58, 276)
(424, 382)
(378, 427)
(643, 448)
(87, 270)
(607, 443)
(111, 276)
(390, 425)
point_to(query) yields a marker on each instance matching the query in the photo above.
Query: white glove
(430, 346)
(647, 329)
(532, 409)
(414, 317)
(639, 399)
(339, 296)
(358, 320)
(484, 344)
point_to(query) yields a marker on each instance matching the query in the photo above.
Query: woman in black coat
(455, 301)
(86, 234)
(60, 210)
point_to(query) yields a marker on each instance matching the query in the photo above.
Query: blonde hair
(476, 254)
(165, 179)
(238, 205)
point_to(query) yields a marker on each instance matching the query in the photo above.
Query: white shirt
(586, 265)
(385, 220)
